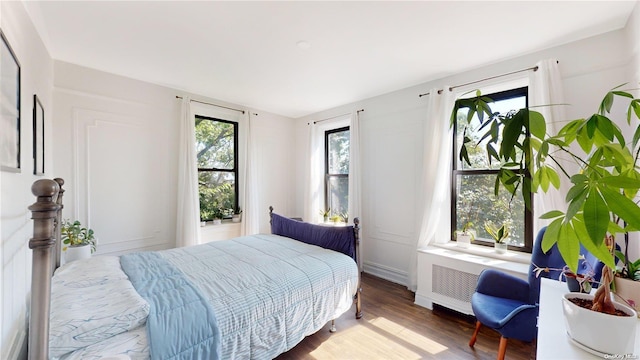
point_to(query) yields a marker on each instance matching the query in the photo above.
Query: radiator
(448, 277)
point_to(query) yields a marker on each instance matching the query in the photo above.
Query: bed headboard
(46, 214)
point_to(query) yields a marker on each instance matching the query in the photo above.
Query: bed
(250, 297)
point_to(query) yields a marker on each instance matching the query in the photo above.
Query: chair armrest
(497, 283)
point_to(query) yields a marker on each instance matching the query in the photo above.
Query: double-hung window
(217, 161)
(336, 184)
(473, 196)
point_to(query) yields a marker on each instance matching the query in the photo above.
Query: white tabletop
(553, 341)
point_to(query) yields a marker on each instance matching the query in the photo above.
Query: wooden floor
(393, 327)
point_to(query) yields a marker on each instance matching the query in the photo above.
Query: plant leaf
(623, 207)
(620, 181)
(551, 214)
(569, 246)
(599, 249)
(596, 215)
(537, 124)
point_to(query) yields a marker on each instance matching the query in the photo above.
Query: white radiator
(448, 277)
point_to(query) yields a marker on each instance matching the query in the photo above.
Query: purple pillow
(338, 238)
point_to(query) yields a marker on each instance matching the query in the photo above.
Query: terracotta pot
(600, 332)
(629, 290)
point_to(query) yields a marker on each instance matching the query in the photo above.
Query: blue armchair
(509, 304)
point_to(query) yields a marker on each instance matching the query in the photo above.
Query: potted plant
(576, 282)
(218, 215)
(465, 236)
(79, 242)
(605, 181)
(499, 235)
(237, 215)
(325, 214)
(627, 278)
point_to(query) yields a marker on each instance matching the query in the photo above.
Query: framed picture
(38, 136)
(9, 108)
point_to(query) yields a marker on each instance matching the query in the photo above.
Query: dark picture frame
(38, 136)
(10, 108)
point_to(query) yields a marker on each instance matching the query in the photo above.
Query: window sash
(234, 168)
(457, 173)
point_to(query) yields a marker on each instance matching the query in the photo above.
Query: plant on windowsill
(325, 214)
(500, 236)
(237, 215)
(603, 191)
(218, 214)
(79, 242)
(465, 236)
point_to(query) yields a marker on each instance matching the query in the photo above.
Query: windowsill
(224, 224)
(485, 251)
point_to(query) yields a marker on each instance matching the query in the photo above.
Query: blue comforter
(181, 324)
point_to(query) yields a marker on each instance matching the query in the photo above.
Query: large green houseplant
(604, 186)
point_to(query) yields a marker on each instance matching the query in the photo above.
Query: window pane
(338, 150)
(478, 154)
(214, 144)
(476, 203)
(217, 190)
(338, 194)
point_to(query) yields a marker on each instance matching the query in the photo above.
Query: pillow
(93, 271)
(92, 301)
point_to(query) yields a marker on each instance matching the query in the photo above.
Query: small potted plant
(218, 215)
(325, 214)
(465, 236)
(499, 235)
(237, 215)
(79, 242)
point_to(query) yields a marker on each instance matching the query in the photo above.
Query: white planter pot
(217, 221)
(463, 240)
(236, 218)
(77, 253)
(602, 333)
(501, 248)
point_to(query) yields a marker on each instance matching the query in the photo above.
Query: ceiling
(247, 53)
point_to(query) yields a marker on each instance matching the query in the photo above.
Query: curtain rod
(534, 68)
(333, 117)
(206, 103)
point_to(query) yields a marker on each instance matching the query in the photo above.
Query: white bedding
(268, 292)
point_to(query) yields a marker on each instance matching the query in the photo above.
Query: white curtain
(545, 91)
(313, 181)
(355, 175)
(249, 192)
(435, 185)
(188, 222)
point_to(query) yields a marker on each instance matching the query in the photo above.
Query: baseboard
(387, 273)
(423, 301)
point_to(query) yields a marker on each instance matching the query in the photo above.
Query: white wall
(392, 126)
(117, 147)
(15, 194)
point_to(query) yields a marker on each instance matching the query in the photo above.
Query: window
(217, 158)
(473, 185)
(336, 184)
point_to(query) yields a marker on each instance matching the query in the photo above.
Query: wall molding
(386, 272)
